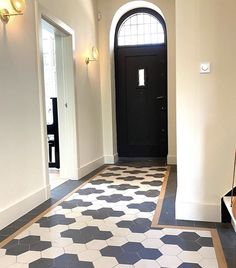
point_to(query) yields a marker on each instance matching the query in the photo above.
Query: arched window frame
(133, 12)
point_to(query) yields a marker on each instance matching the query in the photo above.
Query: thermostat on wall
(205, 68)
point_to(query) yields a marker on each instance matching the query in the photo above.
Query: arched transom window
(141, 29)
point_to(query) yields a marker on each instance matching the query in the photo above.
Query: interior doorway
(141, 84)
(58, 73)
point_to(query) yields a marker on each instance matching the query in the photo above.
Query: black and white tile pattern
(107, 223)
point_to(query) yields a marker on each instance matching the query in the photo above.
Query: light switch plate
(205, 68)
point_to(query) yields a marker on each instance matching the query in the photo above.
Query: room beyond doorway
(141, 84)
(57, 55)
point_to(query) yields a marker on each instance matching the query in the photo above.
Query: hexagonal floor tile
(191, 257)
(96, 244)
(208, 253)
(105, 262)
(146, 264)
(52, 252)
(75, 248)
(89, 255)
(7, 260)
(116, 241)
(169, 261)
(128, 258)
(172, 250)
(191, 236)
(152, 243)
(28, 257)
(209, 263)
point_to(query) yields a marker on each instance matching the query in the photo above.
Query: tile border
(214, 233)
(160, 199)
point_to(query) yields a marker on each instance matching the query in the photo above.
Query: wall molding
(90, 167)
(171, 160)
(111, 159)
(198, 211)
(23, 206)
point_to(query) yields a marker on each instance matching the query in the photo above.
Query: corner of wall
(197, 211)
(171, 160)
(88, 168)
(111, 159)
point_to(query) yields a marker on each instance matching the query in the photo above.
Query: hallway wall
(108, 10)
(206, 106)
(23, 181)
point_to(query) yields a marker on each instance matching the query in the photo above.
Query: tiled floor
(107, 223)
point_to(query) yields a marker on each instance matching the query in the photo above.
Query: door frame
(43, 13)
(116, 49)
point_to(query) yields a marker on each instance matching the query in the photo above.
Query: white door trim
(43, 13)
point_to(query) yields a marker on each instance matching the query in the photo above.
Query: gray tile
(128, 258)
(189, 236)
(42, 263)
(55, 220)
(149, 193)
(123, 187)
(17, 250)
(205, 241)
(75, 203)
(86, 234)
(111, 251)
(29, 240)
(103, 213)
(40, 246)
(189, 265)
(149, 254)
(144, 207)
(89, 191)
(115, 198)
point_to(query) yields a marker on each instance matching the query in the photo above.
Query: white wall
(108, 10)
(206, 106)
(23, 181)
(22, 173)
(81, 16)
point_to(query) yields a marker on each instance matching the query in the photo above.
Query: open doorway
(59, 86)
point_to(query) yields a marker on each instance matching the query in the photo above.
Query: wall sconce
(94, 57)
(18, 6)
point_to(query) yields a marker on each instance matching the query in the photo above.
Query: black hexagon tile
(86, 234)
(115, 198)
(75, 203)
(103, 213)
(55, 220)
(144, 207)
(123, 187)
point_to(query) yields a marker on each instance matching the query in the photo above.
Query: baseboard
(111, 159)
(88, 168)
(198, 211)
(23, 206)
(171, 160)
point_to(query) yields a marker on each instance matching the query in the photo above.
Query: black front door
(141, 101)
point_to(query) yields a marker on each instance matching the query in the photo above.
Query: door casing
(118, 51)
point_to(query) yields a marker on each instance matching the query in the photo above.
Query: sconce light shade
(95, 55)
(18, 5)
